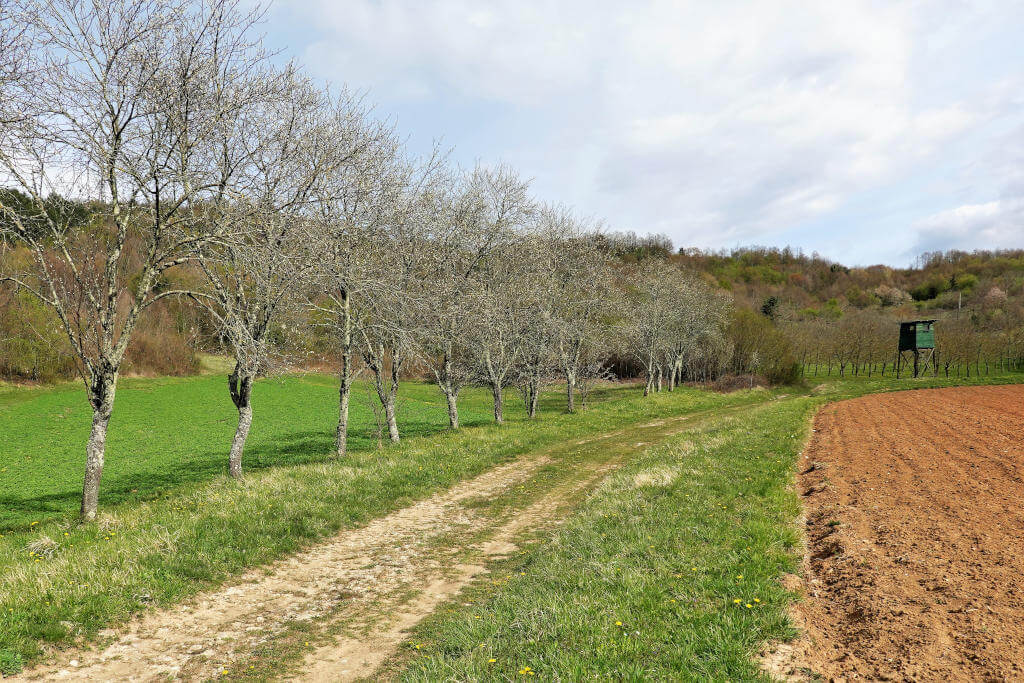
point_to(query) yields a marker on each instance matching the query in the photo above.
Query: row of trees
(197, 170)
(864, 342)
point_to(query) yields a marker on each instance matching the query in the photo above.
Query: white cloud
(997, 224)
(716, 123)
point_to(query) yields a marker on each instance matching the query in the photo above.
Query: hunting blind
(917, 342)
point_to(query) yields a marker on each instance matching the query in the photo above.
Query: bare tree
(581, 298)
(457, 240)
(650, 300)
(397, 250)
(496, 333)
(272, 162)
(355, 200)
(124, 99)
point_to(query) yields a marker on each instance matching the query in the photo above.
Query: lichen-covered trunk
(448, 388)
(531, 409)
(453, 408)
(101, 396)
(570, 391)
(496, 388)
(238, 443)
(240, 386)
(389, 413)
(499, 402)
(387, 392)
(345, 381)
(341, 433)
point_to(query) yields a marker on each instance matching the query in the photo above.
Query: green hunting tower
(917, 339)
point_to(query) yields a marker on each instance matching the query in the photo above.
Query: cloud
(715, 123)
(998, 224)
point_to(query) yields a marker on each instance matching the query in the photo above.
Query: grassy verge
(670, 571)
(60, 583)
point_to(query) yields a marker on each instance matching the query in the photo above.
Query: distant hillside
(988, 285)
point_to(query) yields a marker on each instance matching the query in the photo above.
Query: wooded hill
(988, 286)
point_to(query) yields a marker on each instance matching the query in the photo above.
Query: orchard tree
(457, 239)
(496, 332)
(650, 300)
(119, 105)
(272, 162)
(396, 253)
(355, 201)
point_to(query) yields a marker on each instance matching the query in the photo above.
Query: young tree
(354, 201)
(496, 333)
(272, 163)
(457, 240)
(397, 250)
(581, 298)
(649, 307)
(123, 101)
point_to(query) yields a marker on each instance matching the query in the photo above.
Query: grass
(174, 525)
(669, 571)
(61, 583)
(171, 432)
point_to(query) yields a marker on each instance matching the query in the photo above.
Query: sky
(868, 132)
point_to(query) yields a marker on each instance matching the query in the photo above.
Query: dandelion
(739, 576)
(749, 605)
(618, 623)
(758, 600)
(737, 601)
(492, 660)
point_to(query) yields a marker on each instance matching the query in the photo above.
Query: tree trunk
(453, 407)
(499, 403)
(533, 396)
(240, 386)
(341, 434)
(101, 396)
(345, 383)
(389, 413)
(444, 381)
(570, 391)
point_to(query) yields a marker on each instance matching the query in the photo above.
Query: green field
(614, 593)
(171, 432)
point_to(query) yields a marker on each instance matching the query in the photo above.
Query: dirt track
(359, 580)
(915, 529)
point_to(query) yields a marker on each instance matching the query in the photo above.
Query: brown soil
(359, 592)
(915, 533)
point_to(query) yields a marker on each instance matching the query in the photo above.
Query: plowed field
(915, 528)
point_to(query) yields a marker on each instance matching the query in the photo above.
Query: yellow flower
(739, 576)
(737, 601)
(492, 660)
(749, 605)
(618, 623)
(757, 600)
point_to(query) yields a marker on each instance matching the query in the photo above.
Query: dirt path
(369, 584)
(915, 529)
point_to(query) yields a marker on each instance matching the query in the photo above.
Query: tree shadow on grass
(296, 448)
